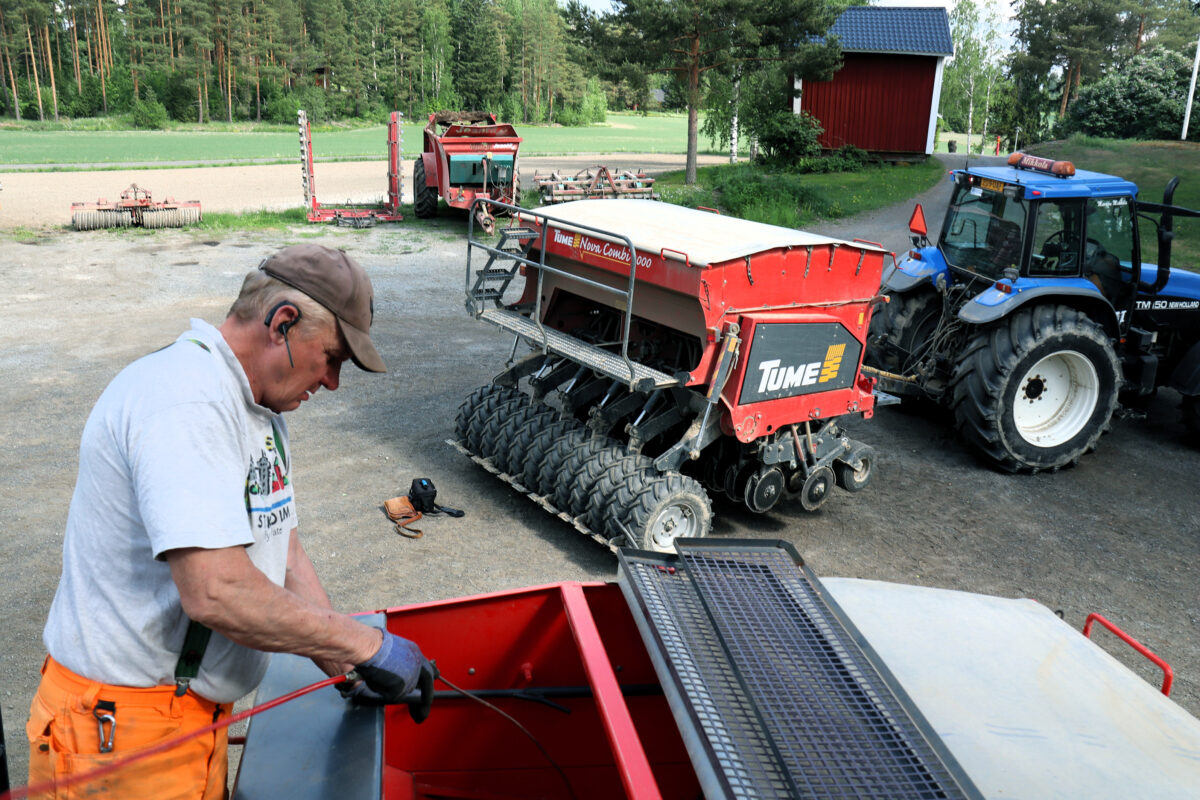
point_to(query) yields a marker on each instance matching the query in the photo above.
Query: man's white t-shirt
(175, 454)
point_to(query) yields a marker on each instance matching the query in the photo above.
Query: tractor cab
(1043, 221)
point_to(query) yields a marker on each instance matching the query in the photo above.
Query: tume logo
(775, 377)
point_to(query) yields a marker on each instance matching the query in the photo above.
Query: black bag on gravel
(423, 495)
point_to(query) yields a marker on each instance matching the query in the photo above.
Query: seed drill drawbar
(674, 350)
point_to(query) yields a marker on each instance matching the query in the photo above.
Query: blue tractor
(1034, 315)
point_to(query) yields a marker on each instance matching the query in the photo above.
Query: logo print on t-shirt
(265, 479)
(266, 474)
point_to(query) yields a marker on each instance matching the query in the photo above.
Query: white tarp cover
(705, 237)
(1028, 706)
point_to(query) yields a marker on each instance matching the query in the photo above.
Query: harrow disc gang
(134, 209)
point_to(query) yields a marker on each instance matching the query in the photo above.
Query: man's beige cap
(338, 282)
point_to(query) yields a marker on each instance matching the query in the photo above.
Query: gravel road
(1118, 534)
(42, 200)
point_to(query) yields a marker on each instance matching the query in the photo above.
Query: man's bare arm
(225, 591)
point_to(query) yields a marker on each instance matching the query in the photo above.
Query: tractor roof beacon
(1034, 315)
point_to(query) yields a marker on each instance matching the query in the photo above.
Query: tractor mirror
(916, 223)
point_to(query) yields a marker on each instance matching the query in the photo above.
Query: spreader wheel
(467, 409)
(670, 507)
(603, 505)
(565, 479)
(535, 456)
(425, 198)
(585, 478)
(490, 442)
(855, 479)
(506, 457)
(556, 456)
(817, 488)
(483, 412)
(523, 438)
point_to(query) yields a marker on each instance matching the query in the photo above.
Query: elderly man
(182, 567)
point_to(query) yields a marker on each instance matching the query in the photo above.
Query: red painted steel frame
(830, 283)
(1168, 673)
(566, 634)
(389, 212)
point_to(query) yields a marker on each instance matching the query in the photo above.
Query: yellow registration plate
(991, 185)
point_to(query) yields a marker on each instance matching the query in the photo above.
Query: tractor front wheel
(1036, 391)
(425, 198)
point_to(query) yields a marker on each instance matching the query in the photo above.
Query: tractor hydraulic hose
(882, 373)
(121, 763)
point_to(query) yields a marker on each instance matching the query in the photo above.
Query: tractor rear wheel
(902, 331)
(1191, 416)
(425, 198)
(670, 507)
(1036, 391)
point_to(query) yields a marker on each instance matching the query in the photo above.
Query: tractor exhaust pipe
(1165, 224)
(1166, 235)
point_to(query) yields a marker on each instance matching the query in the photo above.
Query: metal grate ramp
(603, 361)
(776, 692)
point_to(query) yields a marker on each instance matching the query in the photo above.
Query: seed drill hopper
(674, 350)
(467, 155)
(135, 209)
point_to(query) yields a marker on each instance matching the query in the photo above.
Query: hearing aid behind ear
(284, 327)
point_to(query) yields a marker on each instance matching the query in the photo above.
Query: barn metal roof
(876, 29)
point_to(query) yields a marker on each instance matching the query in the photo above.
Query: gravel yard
(1118, 534)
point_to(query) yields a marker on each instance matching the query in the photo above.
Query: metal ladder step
(603, 361)
(494, 273)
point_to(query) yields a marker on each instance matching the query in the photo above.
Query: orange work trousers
(65, 729)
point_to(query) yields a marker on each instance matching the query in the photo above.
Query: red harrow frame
(599, 185)
(351, 215)
(135, 209)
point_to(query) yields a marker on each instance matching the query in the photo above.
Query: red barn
(884, 99)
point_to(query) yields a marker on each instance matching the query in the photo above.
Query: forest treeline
(202, 60)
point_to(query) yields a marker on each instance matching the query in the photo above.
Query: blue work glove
(392, 673)
(419, 700)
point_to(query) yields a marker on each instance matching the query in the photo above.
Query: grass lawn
(623, 133)
(795, 200)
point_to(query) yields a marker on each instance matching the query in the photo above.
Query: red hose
(121, 763)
